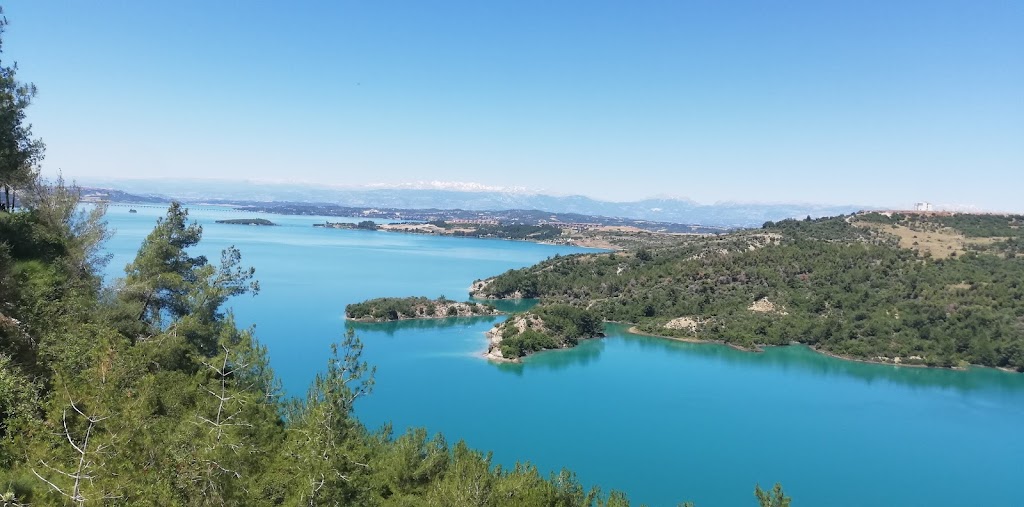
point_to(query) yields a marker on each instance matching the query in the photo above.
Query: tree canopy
(832, 283)
(19, 151)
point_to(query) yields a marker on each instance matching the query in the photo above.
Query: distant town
(573, 221)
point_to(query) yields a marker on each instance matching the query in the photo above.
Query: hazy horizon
(881, 104)
(144, 185)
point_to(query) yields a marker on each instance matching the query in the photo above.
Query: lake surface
(664, 421)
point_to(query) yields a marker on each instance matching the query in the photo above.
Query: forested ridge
(842, 284)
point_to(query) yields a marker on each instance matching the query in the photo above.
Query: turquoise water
(665, 421)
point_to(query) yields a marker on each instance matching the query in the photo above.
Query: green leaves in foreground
(773, 498)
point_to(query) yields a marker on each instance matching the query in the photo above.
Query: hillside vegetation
(146, 392)
(390, 309)
(546, 327)
(843, 285)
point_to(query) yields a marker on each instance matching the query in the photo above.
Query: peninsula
(588, 235)
(900, 288)
(392, 309)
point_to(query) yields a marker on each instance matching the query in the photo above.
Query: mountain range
(723, 214)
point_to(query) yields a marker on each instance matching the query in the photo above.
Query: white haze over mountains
(459, 186)
(471, 196)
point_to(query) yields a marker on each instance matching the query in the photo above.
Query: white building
(923, 206)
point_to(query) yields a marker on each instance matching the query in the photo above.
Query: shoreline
(574, 243)
(633, 330)
(760, 348)
(585, 243)
(364, 320)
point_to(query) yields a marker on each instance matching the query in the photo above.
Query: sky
(863, 102)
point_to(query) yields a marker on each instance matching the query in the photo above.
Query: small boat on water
(132, 210)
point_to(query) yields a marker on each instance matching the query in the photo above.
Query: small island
(392, 309)
(246, 221)
(547, 327)
(365, 225)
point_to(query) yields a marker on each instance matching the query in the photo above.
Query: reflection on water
(804, 358)
(585, 353)
(793, 357)
(509, 305)
(390, 328)
(646, 415)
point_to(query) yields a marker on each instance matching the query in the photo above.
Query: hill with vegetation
(544, 328)
(392, 309)
(856, 286)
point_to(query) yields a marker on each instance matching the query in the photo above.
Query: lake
(664, 421)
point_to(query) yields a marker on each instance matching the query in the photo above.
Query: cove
(665, 421)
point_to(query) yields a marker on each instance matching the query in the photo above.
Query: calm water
(664, 421)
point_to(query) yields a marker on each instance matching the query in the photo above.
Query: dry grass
(940, 244)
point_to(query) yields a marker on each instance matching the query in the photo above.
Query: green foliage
(385, 308)
(165, 282)
(570, 323)
(548, 327)
(845, 289)
(247, 221)
(160, 276)
(985, 226)
(503, 231)
(147, 394)
(18, 402)
(390, 309)
(773, 498)
(517, 231)
(527, 341)
(19, 152)
(115, 414)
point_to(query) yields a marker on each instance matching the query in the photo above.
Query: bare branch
(52, 485)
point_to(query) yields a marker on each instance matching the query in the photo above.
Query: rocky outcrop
(685, 323)
(763, 305)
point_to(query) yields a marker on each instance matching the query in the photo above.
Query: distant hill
(924, 289)
(660, 210)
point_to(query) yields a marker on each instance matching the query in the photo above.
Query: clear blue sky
(866, 102)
